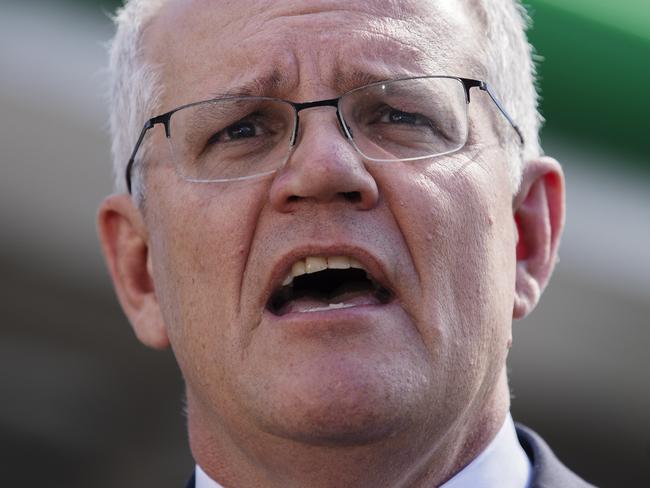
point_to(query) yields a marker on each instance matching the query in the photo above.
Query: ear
(539, 215)
(125, 244)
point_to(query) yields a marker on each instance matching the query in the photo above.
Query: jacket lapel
(548, 471)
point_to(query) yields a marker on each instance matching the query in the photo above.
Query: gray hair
(136, 89)
(510, 66)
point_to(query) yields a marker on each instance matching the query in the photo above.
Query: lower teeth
(331, 306)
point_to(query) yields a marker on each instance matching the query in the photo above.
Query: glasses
(242, 137)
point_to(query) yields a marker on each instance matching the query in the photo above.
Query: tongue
(312, 304)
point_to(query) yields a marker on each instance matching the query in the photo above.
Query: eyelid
(423, 119)
(242, 120)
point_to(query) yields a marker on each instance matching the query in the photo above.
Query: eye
(242, 129)
(394, 116)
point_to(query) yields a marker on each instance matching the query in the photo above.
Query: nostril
(352, 196)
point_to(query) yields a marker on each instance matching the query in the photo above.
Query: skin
(399, 395)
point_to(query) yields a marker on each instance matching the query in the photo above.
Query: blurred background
(82, 404)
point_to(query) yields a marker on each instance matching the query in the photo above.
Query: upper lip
(372, 264)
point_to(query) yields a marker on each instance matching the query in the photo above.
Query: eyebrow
(276, 85)
(264, 86)
(348, 80)
(272, 84)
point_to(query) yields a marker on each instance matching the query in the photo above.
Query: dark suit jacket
(548, 471)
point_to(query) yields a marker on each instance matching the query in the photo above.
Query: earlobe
(125, 245)
(539, 216)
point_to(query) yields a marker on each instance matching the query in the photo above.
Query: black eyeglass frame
(468, 84)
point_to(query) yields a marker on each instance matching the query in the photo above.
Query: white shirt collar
(202, 480)
(502, 464)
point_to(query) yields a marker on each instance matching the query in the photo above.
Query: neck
(423, 456)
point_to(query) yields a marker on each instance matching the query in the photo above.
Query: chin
(346, 406)
(343, 425)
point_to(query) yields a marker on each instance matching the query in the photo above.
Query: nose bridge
(330, 102)
(299, 107)
(323, 143)
(323, 166)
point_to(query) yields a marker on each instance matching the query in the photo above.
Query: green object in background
(629, 16)
(595, 73)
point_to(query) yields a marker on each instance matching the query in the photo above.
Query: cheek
(459, 233)
(478, 236)
(199, 244)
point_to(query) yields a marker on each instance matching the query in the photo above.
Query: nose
(323, 168)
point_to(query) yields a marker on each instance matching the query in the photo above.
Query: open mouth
(319, 284)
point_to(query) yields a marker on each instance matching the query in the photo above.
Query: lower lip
(356, 317)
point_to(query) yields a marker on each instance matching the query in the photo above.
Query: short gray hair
(136, 90)
(511, 73)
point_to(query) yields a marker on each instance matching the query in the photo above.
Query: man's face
(438, 234)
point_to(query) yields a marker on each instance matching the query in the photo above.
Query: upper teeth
(313, 264)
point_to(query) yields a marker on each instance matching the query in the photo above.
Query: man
(332, 220)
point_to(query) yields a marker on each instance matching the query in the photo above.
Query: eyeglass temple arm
(486, 88)
(162, 119)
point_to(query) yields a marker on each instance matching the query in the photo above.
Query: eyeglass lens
(241, 137)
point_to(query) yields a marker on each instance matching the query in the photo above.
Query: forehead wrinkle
(440, 45)
(433, 31)
(437, 41)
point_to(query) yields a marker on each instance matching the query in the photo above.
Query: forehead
(208, 47)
